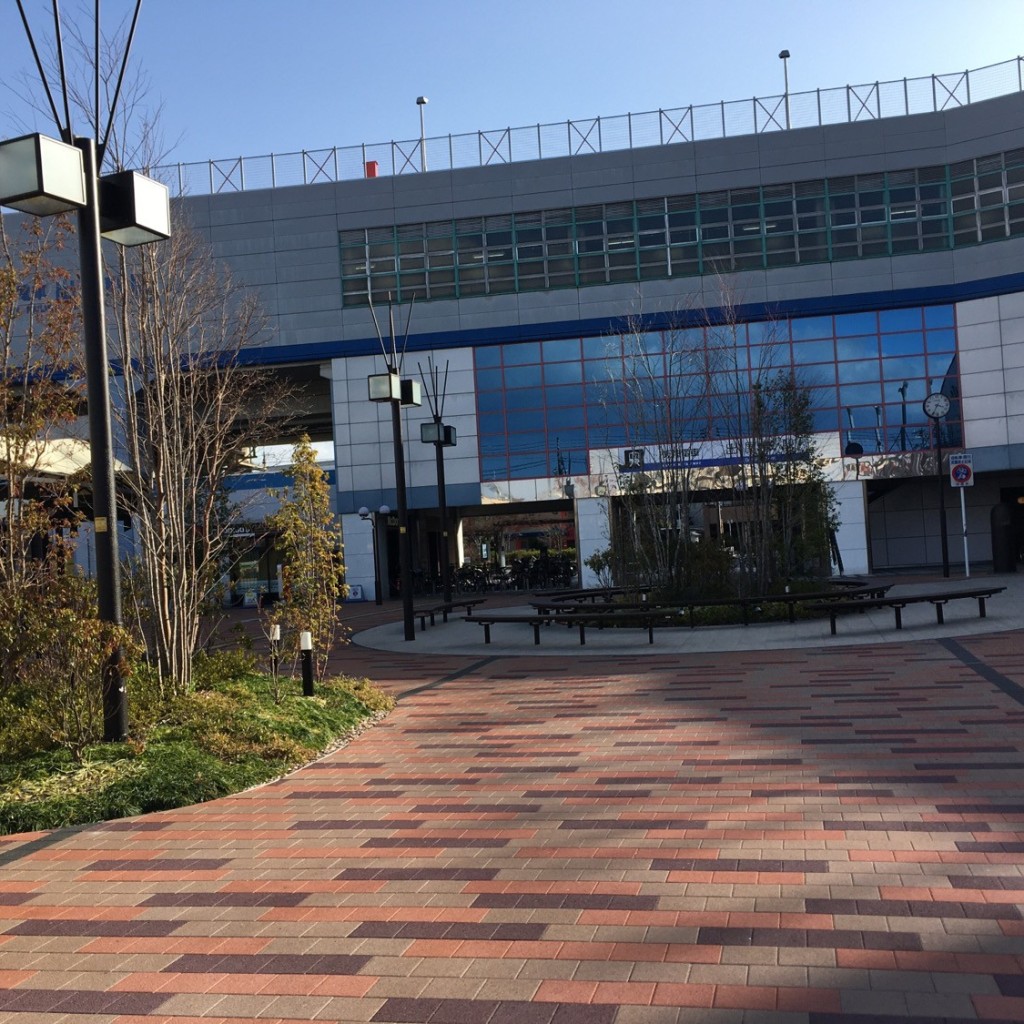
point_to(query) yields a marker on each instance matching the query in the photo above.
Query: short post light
(306, 650)
(275, 650)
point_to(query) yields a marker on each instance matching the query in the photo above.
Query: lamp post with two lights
(42, 176)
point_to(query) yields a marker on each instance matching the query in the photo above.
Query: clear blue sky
(247, 77)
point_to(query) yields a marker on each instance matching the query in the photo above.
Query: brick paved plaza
(822, 834)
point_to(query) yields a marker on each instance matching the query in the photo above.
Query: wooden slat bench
(445, 608)
(938, 598)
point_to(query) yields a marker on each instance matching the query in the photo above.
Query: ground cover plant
(236, 729)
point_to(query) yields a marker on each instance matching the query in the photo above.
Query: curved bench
(938, 598)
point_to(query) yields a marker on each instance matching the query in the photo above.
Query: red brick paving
(804, 837)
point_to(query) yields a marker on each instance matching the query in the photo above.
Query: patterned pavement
(812, 836)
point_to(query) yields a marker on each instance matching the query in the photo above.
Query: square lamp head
(384, 387)
(41, 176)
(134, 209)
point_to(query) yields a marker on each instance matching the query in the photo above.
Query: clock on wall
(936, 405)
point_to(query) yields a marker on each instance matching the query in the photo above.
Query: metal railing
(840, 105)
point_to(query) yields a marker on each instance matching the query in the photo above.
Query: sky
(250, 77)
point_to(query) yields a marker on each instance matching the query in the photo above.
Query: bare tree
(39, 396)
(707, 409)
(190, 413)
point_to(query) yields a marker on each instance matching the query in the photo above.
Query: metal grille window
(856, 217)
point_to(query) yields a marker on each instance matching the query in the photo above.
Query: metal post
(943, 532)
(421, 102)
(784, 55)
(963, 525)
(404, 540)
(94, 332)
(377, 597)
(442, 511)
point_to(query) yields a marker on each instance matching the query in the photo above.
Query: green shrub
(210, 743)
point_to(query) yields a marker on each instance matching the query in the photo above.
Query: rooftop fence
(727, 119)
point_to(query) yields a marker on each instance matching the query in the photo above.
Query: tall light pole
(390, 387)
(784, 57)
(441, 437)
(42, 176)
(421, 102)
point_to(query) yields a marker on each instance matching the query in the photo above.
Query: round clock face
(936, 405)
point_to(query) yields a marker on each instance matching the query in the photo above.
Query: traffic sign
(961, 470)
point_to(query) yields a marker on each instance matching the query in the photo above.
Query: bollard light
(306, 646)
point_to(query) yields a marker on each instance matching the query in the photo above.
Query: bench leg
(433, 621)
(423, 623)
(939, 618)
(650, 632)
(536, 633)
(583, 635)
(487, 632)
(899, 615)
(444, 615)
(981, 607)
(832, 622)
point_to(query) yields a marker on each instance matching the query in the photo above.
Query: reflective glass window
(855, 372)
(491, 422)
(893, 321)
(524, 398)
(561, 349)
(527, 352)
(602, 347)
(814, 351)
(857, 348)
(563, 373)
(494, 467)
(488, 379)
(860, 394)
(938, 316)
(902, 344)
(565, 395)
(522, 376)
(490, 401)
(940, 341)
(487, 355)
(856, 323)
(807, 327)
(565, 416)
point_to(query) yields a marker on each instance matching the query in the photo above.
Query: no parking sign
(961, 470)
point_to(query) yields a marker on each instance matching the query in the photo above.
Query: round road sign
(961, 473)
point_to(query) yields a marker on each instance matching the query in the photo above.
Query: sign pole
(963, 523)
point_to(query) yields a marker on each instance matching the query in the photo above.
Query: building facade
(880, 258)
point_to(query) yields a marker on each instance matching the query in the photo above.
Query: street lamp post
(366, 515)
(389, 387)
(421, 102)
(41, 176)
(784, 57)
(440, 436)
